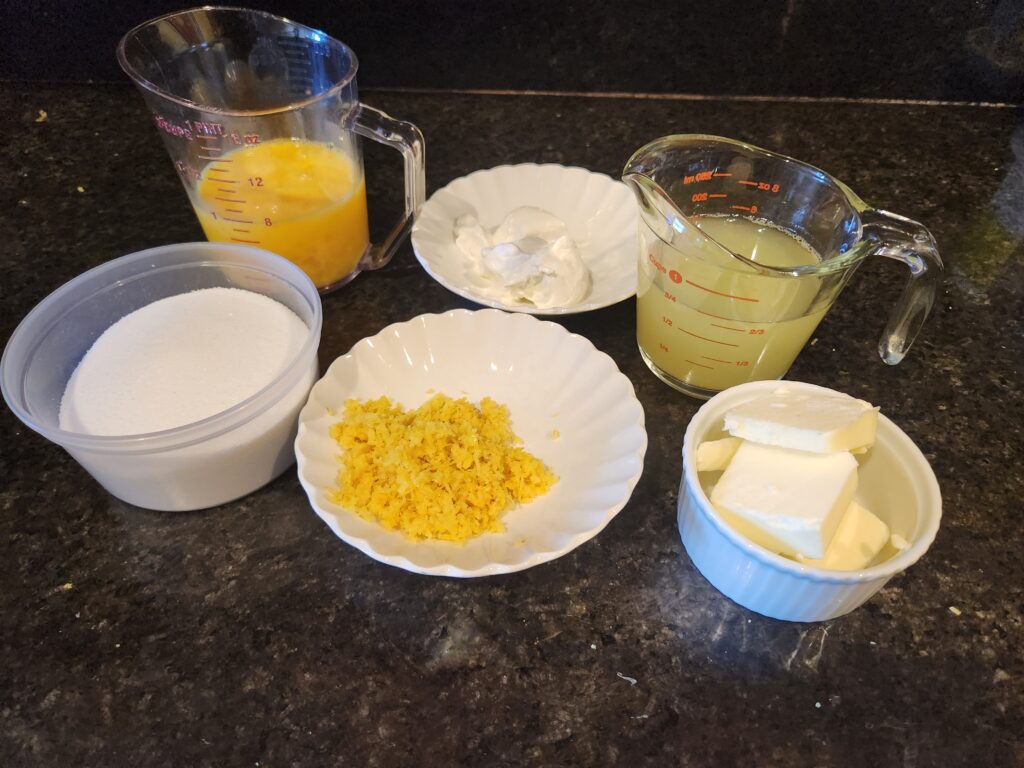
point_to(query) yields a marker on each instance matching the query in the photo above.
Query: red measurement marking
(705, 338)
(227, 181)
(228, 200)
(204, 157)
(747, 208)
(727, 362)
(243, 231)
(701, 365)
(238, 221)
(748, 183)
(240, 240)
(718, 195)
(221, 170)
(719, 293)
(719, 316)
(212, 148)
(716, 174)
(726, 327)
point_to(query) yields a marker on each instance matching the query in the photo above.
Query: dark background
(969, 50)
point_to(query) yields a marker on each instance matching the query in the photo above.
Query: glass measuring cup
(262, 120)
(743, 251)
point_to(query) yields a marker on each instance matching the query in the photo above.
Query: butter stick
(857, 541)
(819, 422)
(715, 455)
(794, 499)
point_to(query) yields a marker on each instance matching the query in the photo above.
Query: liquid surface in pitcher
(707, 325)
(300, 199)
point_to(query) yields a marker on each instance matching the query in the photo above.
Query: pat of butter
(820, 423)
(858, 540)
(715, 455)
(794, 499)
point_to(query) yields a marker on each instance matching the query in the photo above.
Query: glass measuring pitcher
(743, 251)
(262, 120)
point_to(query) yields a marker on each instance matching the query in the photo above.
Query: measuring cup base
(325, 289)
(687, 389)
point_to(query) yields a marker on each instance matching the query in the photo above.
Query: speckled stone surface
(968, 50)
(249, 635)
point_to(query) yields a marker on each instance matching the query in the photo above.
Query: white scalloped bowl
(599, 212)
(550, 379)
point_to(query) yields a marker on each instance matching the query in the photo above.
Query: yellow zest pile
(446, 470)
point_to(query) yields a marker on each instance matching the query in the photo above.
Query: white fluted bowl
(550, 379)
(599, 212)
(895, 482)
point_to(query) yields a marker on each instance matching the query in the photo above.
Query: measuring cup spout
(657, 208)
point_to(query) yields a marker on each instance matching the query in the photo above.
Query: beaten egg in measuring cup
(300, 199)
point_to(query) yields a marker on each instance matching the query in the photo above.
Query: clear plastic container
(198, 465)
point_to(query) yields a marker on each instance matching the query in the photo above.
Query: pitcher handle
(407, 138)
(905, 240)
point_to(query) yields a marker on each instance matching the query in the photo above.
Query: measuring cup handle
(407, 138)
(905, 240)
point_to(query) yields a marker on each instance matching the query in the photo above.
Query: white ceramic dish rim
(896, 564)
(584, 306)
(487, 569)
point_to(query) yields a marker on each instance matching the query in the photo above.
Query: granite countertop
(248, 635)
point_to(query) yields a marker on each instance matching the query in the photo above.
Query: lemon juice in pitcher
(743, 251)
(710, 322)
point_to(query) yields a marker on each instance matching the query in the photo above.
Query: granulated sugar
(179, 360)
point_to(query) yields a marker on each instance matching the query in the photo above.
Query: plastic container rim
(198, 431)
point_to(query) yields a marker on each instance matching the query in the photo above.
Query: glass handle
(406, 138)
(907, 241)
